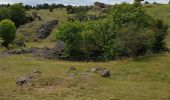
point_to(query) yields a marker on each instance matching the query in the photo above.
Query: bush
(161, 31)
(7, 31)
(70, 34)
(17, 14)
(4, 13)
(125, 31)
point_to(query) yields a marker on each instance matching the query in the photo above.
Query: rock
(98, 70)
(72, 68)
(106, 74)
(45, 29)
(25, 79)
(59, 46)
(19, 43)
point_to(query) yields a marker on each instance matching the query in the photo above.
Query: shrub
(17, 14)
(4, 13)
(70, 34)
(7, 32)
(125, 31)
(161, 31)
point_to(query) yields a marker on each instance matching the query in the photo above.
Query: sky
(72, 2)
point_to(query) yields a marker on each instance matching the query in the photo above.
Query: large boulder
(45, 29)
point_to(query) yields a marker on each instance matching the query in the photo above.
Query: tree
(17, 14)
(7, 31)
(4, 13)
(51, 8)
(161, 31)
(70, 34)
(134, 41)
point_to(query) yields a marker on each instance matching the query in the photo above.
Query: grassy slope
(147, 78)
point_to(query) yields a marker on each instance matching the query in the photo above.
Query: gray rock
(19, 43)
(106, 74)
(25, 79)
(45, 29)
(72, 68)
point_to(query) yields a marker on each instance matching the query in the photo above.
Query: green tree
(4, 13)
(161, 32)
(70, 34)
(134, 41)
(17, 14)
(7, 31)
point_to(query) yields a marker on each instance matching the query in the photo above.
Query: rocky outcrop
(23, 51)
(45, 29)
(51, 53)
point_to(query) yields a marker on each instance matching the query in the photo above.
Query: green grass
(145, 78)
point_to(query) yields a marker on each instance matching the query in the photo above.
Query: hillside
(144, 78)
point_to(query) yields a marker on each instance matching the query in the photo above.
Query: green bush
(161, 31)
(4, 13)
(70, 34)
(17, 14)
(127, 30)
(7, 31)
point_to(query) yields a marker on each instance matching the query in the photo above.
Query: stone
(45, 29)
(106, 74)
(25, 79)
(20, 43)
(72, 68)
(98, 69)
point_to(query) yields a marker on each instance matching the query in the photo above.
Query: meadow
(143, 78)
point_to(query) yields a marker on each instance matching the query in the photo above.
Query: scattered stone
(23, 51)
(25, 79)
(106, 74)
(72, 76)
(72, 68)
(20, 43)
(98, 70)
(45, 29)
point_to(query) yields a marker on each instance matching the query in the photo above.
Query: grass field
(145, 78)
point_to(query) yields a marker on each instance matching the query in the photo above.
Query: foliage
(4, 13)
(160, 36)
(125, 31)
(70, 34)
(7, 31)
(17, 14)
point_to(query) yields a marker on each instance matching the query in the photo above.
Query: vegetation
(140, 32)
(15, 12)
(126, 31)
(7, 32)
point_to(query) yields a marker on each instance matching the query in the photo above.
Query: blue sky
(72, 2)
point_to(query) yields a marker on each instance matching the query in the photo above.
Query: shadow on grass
(149, 58)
